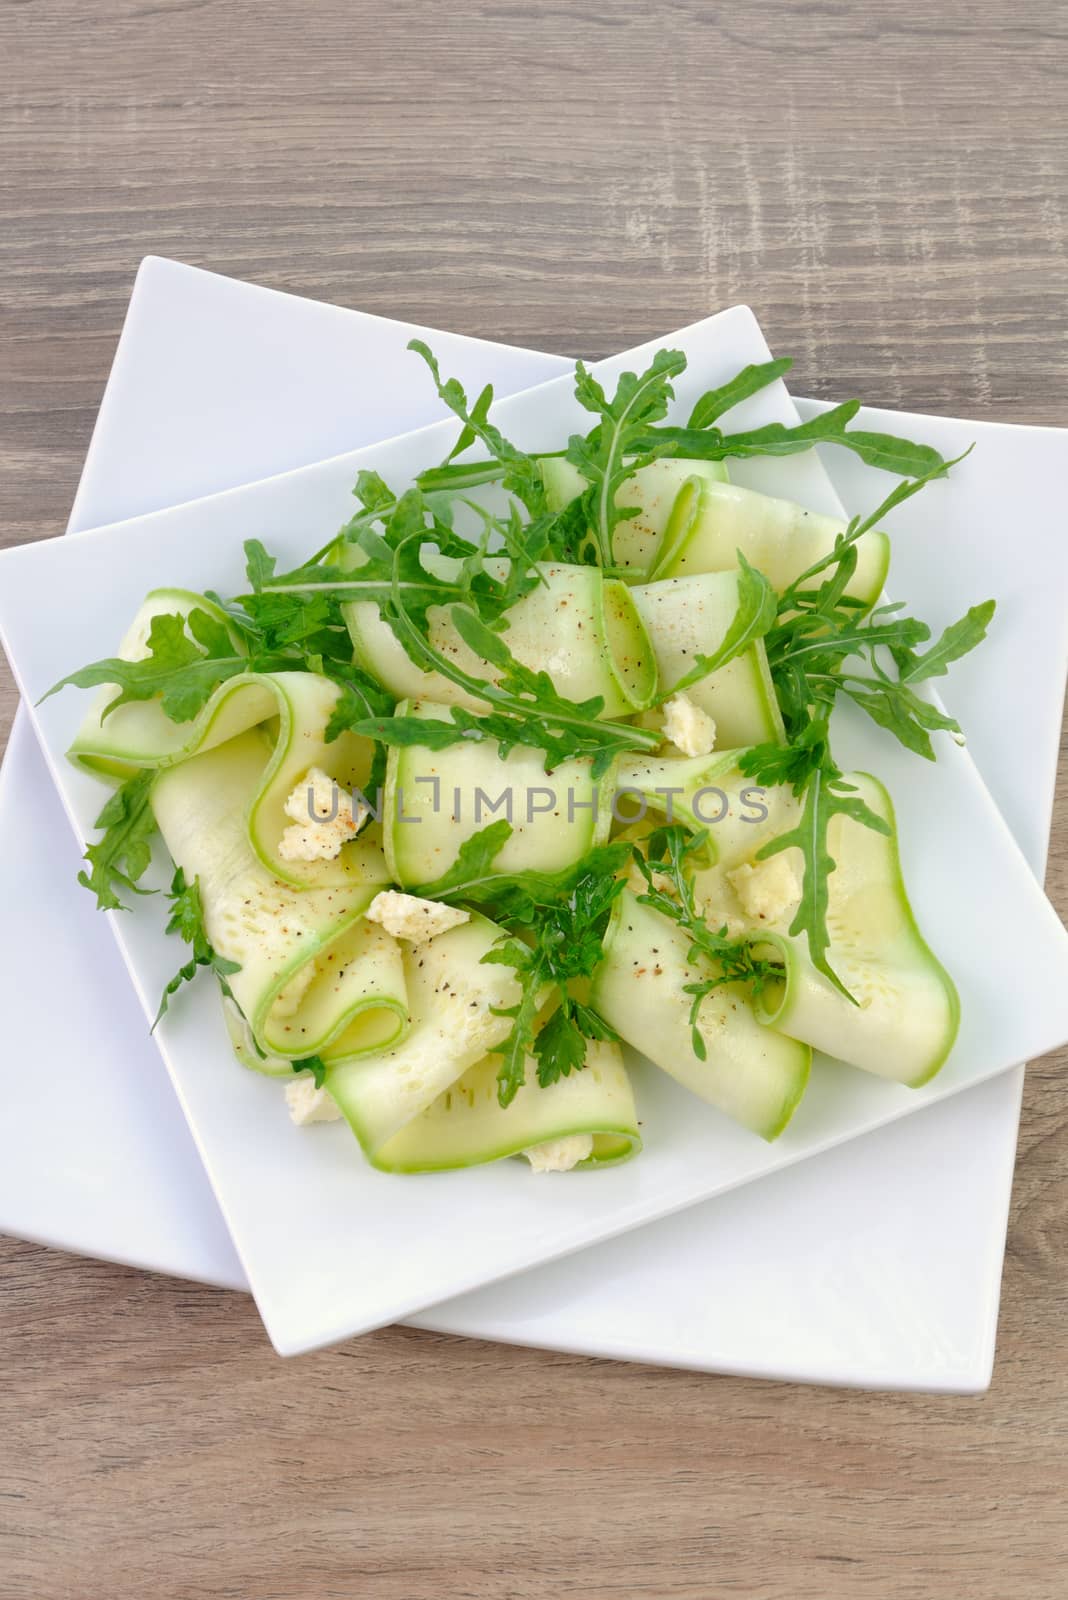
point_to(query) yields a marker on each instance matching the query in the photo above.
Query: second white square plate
(669, 1191)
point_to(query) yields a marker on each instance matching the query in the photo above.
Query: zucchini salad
(533, 760)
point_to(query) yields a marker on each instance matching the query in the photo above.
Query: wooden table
(886, 186)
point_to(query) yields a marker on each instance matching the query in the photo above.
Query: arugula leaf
(607, 457)
(472, 873)
(524, 707)
(809, 650)
(956, 641)
(749, 381)
(826, 795)
(521, 475)
(122, 856)
(361, 697)
(187, 920)
(187, 658)
(883, 450)
(756, 614)
(664, 863)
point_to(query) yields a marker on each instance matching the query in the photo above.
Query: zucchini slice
(908, 1012)
(711, 522)
(577, 625)
(466, 1126)
(652, 491)
(436, 799)
(752, 1072)
(703, 792)
(316, 977)
(297, 705)
(455, 1001)
(688, 617)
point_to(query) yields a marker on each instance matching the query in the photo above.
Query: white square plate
(668, 1173)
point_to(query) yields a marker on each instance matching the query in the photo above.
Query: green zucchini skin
(753, 1073)
(466, 1126)
(909, 1013)
(711, 522)
(651, 492)
(577, 625)
(297, 705)
(455, 1000)
(437, 799)
(315, 977)
(689, 616)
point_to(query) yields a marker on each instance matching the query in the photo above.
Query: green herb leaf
(883, 450)
(187, 658)
(826, 796)
(665, 861)
(521, 475)
(602, 456)
(756, 614)
(957, 640)
(187, 920)
(313, 1064)
(749, 381)
(472, 874)
(122, 856)
(554, 925)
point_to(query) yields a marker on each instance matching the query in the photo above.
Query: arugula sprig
(121, 857)
(666, 860)
(186, 658)
(608, 455)
(820, 647)
(554, 926)
(885, 450)
(187, 921)
(522, 706)
(517, 470)
(757, 612)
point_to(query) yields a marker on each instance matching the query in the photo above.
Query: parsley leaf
(553, 930)
(562, 920)
(313, 1064)
(187, 920)
(122, 856)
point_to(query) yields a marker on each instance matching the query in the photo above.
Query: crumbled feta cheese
(560, 1155)
(323, 816)
(688, 728)
(406, 916)
(768, 890)
(308, 1104)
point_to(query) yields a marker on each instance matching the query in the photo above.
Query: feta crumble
(307, 1104)
(768, 890)
(406, 916)
(687, 727)
(324, 819)
(560, 1155)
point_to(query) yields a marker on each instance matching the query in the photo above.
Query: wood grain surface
(887, 187)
